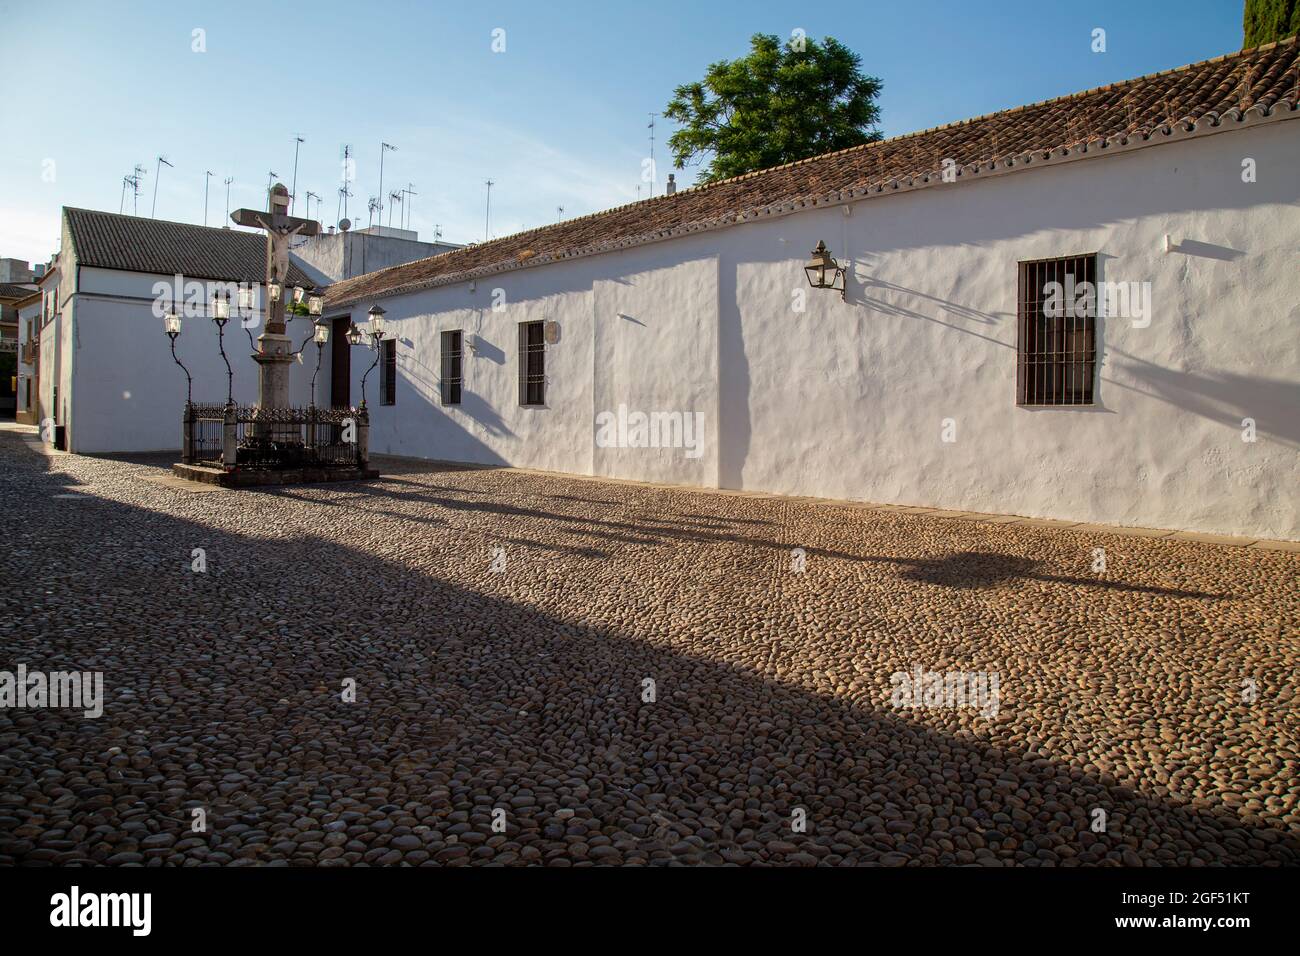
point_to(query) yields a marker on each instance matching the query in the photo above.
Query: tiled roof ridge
(166, 222)
(155, 246)
(503, 253)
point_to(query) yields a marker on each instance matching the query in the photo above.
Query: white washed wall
(128, 394)
(847, 400)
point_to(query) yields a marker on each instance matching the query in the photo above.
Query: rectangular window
(388, 371)
(532, 364)
(451, 367)
(1057, 347)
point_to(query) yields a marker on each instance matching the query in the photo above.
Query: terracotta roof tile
(15, 290)
(1188, 98)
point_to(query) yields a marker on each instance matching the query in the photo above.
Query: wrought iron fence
(205, 429)
(248, 437)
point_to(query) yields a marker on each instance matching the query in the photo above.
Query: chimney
(672, 183)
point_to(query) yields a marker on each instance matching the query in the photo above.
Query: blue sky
(557, 119)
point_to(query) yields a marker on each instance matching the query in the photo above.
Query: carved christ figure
(278, 248)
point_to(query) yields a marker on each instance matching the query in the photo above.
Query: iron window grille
(1057, 331)
(532, 364)
(388, 372)
(452, 367)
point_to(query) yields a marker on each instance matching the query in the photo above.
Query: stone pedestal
(274, 356)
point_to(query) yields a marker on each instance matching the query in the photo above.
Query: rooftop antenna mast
(372, 204)
(207, 175)
(406, 206)
(345, 190)
(162, 161)
(344, 193)
(137, 173)
(487, 216)
(270, 178)
(559, 213)
(383, 148)
(396, 197)
(228, 180)
(437, 231)
(311, 195)
(293, 194)
(652, 154)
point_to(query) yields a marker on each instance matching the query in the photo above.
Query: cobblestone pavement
(1156, 696)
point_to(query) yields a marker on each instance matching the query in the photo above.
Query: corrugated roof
(1226, 90)
(135, 244)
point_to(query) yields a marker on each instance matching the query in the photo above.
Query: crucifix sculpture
(274, 349)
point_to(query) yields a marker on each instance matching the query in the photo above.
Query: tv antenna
(133, 180)
(311, 195)
(396, 197)
(293, 194)
(162, 161)
(228, 180)
(559, 213)
(372, 204)
(652, 154)
(487, 216)
(406, 206)
(383, 148)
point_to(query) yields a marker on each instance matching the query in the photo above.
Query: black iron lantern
(823, 271)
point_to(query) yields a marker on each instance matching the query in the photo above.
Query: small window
(388, 372)
(1057, 347)
(451, 367)
(532, 364)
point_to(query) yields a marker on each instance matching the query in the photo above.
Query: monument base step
(250, 478)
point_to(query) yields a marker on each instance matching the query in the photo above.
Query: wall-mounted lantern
(824, 272)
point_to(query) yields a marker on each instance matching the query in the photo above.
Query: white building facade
(108, 378)
(1184, 395)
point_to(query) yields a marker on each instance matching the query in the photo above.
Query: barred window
(532, 364)
(1057, 347)
(451, 367)
(388, 372)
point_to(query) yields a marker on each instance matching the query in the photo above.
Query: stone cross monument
(274, 348)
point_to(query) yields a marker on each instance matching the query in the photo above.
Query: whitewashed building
(108, 381)
(948, 372)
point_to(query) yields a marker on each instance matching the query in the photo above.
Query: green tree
(1267, 20)
(779, 104)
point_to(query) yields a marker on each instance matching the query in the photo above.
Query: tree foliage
(781, 103)
(1267, 20)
